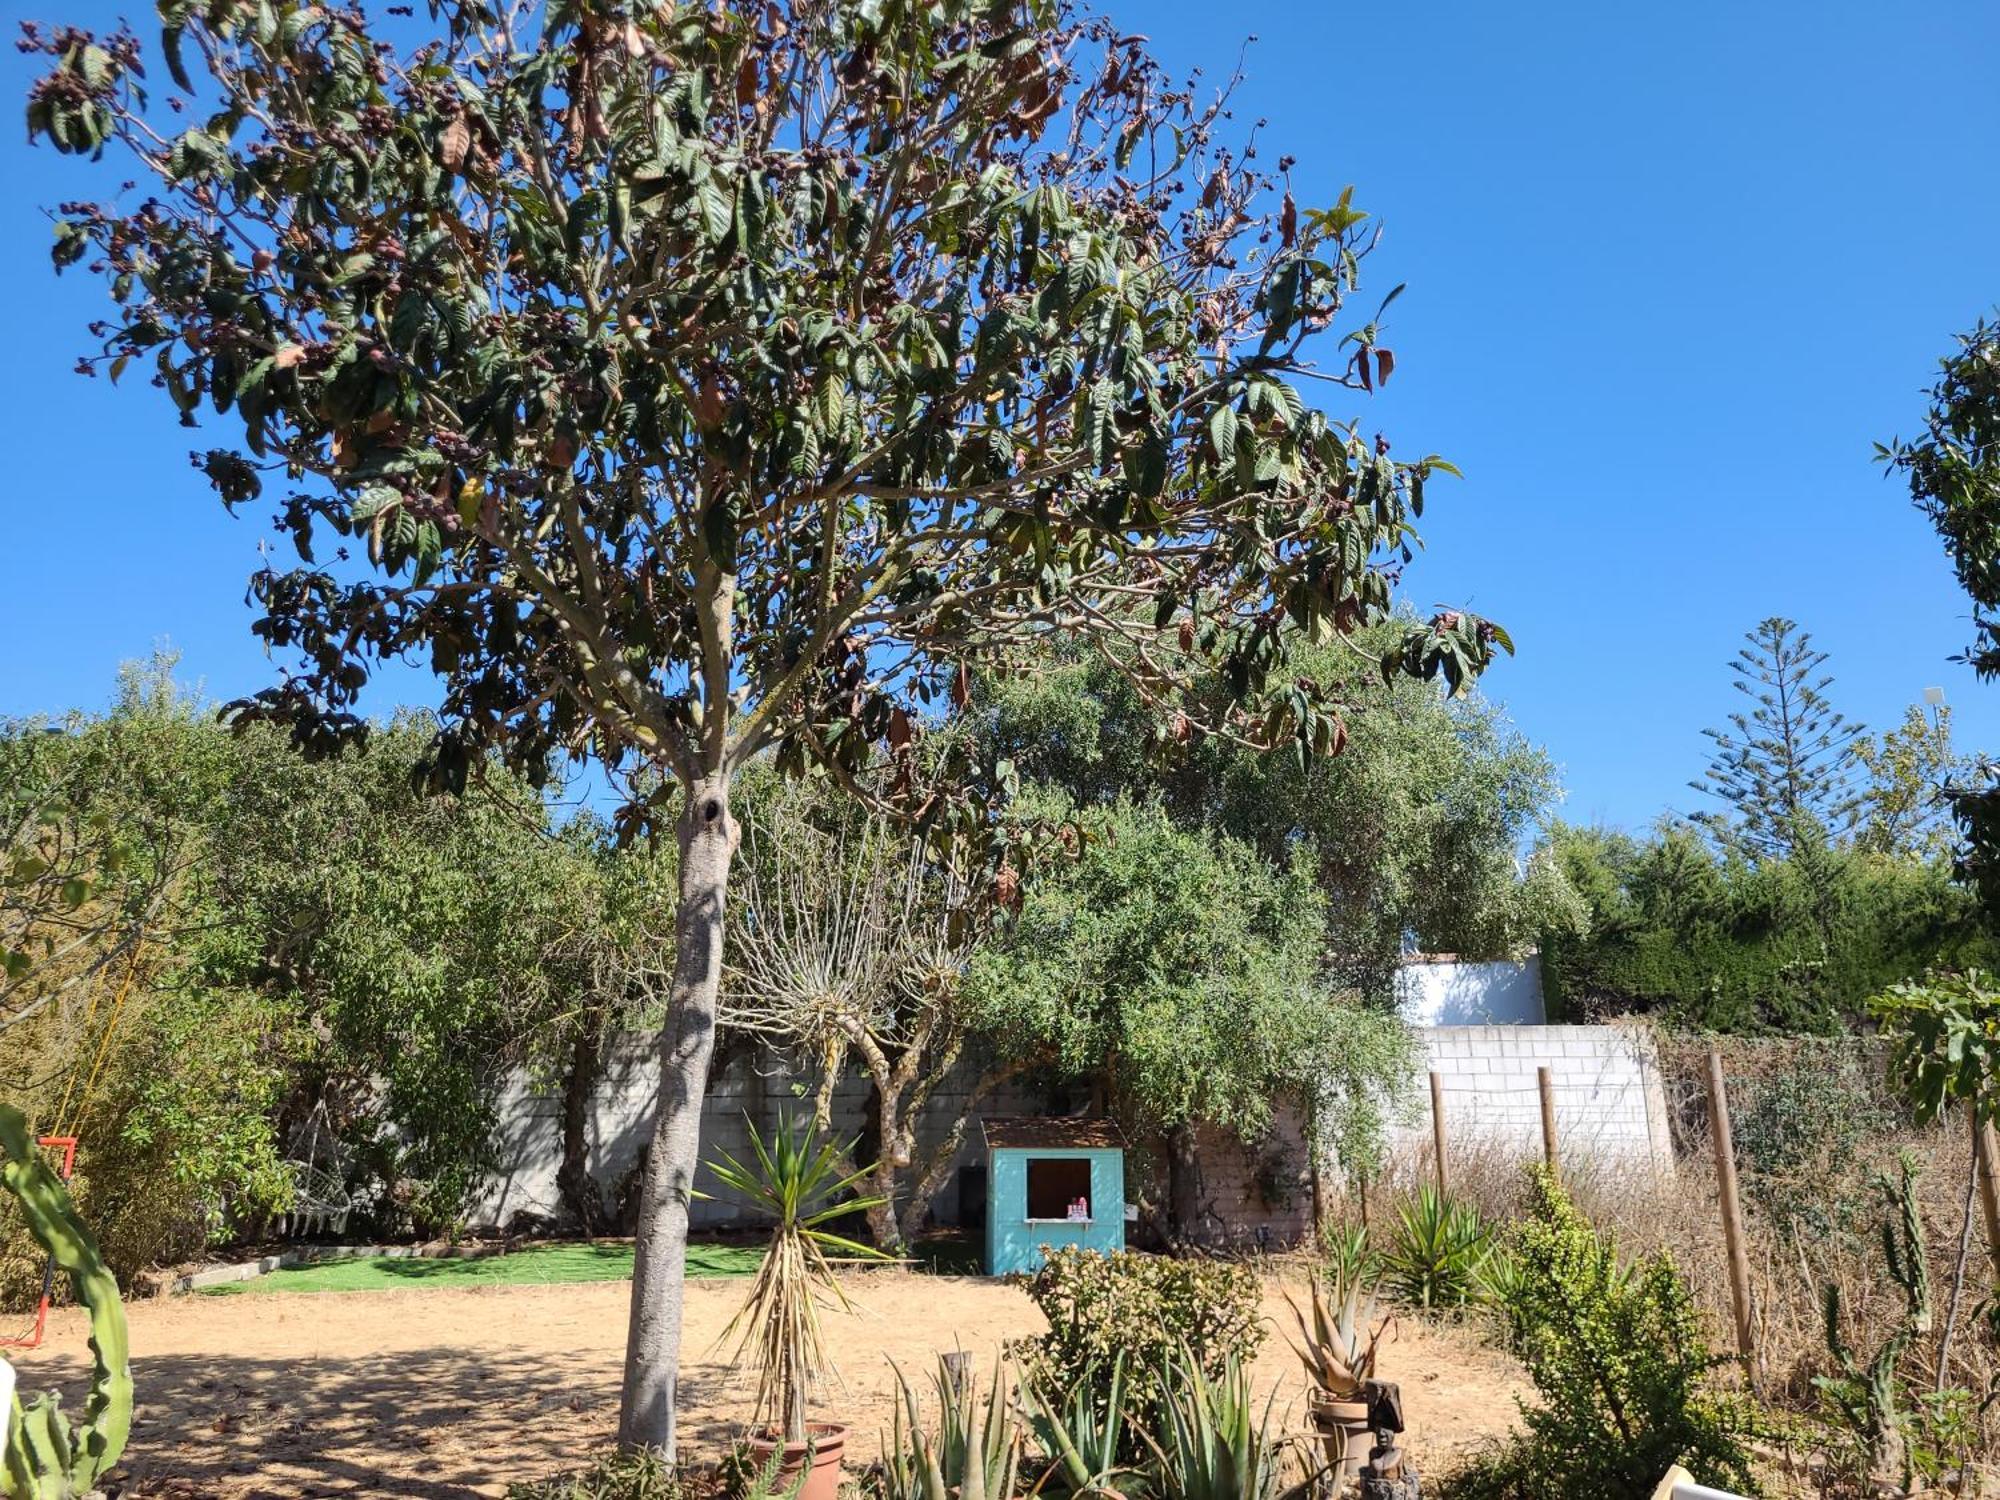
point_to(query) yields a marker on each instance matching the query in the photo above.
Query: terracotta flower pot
(1342, 1425)
(829, 1442)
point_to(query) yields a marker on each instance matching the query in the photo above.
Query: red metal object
(33, 1338)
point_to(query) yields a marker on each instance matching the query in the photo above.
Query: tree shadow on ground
(428, 1424)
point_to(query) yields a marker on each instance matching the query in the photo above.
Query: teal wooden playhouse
(1051, 1183)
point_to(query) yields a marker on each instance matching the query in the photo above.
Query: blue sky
(1672, 270)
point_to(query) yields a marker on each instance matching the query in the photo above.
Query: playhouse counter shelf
(1051, 1184)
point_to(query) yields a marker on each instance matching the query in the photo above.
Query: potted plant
(803, 1183)
(1338, 1351)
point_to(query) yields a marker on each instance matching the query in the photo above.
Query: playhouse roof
(1037, 1132)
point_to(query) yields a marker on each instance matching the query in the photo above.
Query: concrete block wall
(1610, 1105)
(758, 1086)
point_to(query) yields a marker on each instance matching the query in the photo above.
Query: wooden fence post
(1437, 1133)
(1986, 1164)
(1732, 1211)
(1546, 1081)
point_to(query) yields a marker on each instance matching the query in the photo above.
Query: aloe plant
(1337, 1347)
(799, 1179)
(1082, 1432)
(43, 1455)
(973, 1453)
(1212, 1443)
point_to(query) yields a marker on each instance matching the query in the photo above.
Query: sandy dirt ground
(450, 1394)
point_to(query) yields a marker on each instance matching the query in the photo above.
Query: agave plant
(974, 1453)
(1082, 1434)
(1337, 1347)
(802, 1181)
(1437, 1252)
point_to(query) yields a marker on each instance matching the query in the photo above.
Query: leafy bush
(1798, 1138)
(1146, 1308)
(1437, 1250)
(1617, 1356)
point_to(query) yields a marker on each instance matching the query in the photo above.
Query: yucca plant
(974, 1452)
(1437, 1251)
(800, 1180)
(1083, 1433)
(1335, 1343)
(1213, 1443)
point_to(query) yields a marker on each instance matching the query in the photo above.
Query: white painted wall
(1610, 1105)
(1445, 992)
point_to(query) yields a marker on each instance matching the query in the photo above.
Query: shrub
(1617, 1356)
(1798, 1136)
(1437, 1249)
(1147, 1308)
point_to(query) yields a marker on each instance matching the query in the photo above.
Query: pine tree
(1786, 766)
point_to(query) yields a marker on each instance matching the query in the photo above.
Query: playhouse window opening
(1056, 1184)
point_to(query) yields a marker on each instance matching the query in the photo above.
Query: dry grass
(1815, 1133)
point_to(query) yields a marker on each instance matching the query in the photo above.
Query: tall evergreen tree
(1785, 767)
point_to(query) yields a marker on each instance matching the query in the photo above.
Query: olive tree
(687, 383)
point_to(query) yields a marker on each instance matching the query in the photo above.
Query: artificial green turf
(543, 1265)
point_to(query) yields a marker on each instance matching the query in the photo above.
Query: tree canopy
(1953, 472)
(694, 382)
(1413, 832)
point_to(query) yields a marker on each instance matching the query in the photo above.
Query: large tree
(1177, 975)
(693, 382)
(1953, 470)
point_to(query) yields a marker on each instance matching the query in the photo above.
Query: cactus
(1864, 1394)
(43, 1456)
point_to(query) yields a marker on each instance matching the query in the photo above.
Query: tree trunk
(581, 1195)
(1314, 1175)
(1183, 1186)
(707, 837)
(883, 1224)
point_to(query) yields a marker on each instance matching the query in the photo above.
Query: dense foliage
(1953, 470)
(1412, 833)
(1620, 1366)
(1712, 939)
(337, 970)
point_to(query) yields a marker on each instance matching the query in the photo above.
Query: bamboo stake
(1546, 1080)
(1732, 1211)
(1437, 1133)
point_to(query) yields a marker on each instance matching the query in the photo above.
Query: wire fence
(1816, 1136)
